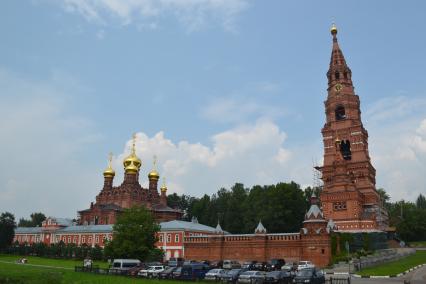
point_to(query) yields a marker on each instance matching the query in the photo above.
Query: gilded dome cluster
(132, 165)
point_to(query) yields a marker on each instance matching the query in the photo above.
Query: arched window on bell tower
(345, 149)
(337, 75)
(340, 112)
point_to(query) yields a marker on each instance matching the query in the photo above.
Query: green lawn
(50, 261)
(418, 244)
(396, 267)
(60, 272)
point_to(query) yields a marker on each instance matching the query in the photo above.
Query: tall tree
(421, 202)
(384, 197)
(134, 235)
(7, 229)
(37, 218)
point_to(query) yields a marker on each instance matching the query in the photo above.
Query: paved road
(418, 276)
(415, 277)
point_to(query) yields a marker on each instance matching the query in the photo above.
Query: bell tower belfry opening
(349, 196)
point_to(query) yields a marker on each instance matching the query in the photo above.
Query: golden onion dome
(163, 188)
(131, 169)
(109, 171)
(153, 174)
(333, 29)
(132, 159)
(132, 163)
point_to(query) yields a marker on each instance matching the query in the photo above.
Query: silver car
(215, 274)
(251, 277)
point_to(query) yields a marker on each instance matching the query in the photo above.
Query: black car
(261, 266)
(167, 273)
(231, 276)
(278, 276)
(277, 263)
(249, 265)
(309, 275)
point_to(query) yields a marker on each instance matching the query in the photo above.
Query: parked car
(133, 271)
(167, 273)
(231, 276)
(278, 277)
(216, 264)
(305, 264)
(249, 265)
(122, 266)
(252, 277)
(309, 275)
(214, 274)
(125, 264)
(151, 271)
(276, 263)
(177, 273)
(175, 261)
(261, 266)
(194, 271)
(231, 264)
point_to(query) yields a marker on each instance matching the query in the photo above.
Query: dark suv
(276, 263)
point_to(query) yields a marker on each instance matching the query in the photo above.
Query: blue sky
(222, 91)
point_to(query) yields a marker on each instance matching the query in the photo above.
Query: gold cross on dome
(110, 159)
(134, 143)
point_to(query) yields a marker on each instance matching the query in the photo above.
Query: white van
(125, 264)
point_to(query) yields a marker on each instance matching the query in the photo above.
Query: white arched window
(176, 238)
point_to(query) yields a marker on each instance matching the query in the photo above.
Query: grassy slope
(22, 273)
(396, 267)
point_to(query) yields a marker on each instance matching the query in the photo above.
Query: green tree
(35, 220)
(421, 202)
(134, 235)
(7, 229)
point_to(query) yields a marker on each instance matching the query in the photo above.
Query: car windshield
(274, 273)
(178, 269)
(305, 272)
(303, 262)
(214, 271)
(170, 269)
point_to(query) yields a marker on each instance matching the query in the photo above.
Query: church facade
(349, 196)
(112, 200)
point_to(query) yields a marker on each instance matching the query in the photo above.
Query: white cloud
(398, 145)
(253, 154)
(40, 148)
(192, 14)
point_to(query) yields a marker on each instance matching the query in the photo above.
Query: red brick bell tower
(349, 195)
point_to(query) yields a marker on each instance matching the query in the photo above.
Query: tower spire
(338, 73)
